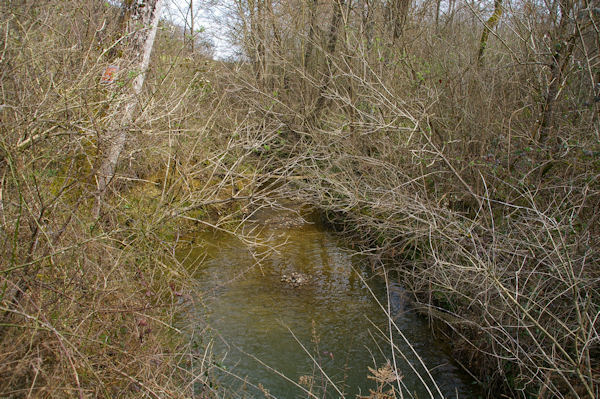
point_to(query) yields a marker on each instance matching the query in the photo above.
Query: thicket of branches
(89, 303)
(460, 140)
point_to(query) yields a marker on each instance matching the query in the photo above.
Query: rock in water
(295, 279)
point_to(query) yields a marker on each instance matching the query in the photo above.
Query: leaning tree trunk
(141, 27)
(488, 27)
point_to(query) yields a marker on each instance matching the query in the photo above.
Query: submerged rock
(295, 279)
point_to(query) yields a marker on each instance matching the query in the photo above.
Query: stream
(272, 337)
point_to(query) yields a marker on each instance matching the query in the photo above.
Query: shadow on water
(265, 328)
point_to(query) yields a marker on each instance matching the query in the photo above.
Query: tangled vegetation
(457, 143)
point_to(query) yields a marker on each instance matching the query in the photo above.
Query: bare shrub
(89, 305)
(479, 178)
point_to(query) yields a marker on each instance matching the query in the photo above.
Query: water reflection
(332, 323)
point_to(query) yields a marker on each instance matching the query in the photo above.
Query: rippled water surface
(268, 332)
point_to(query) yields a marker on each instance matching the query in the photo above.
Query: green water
(265, 331)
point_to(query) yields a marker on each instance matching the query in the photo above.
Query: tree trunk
(142, 26)
(563, 48)
(489, 25)
(192, 33)
(278, 72)
(400, 13)
(368, 22)
(312, 6)
(331, 45)
(395, 13)
(437, 15)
